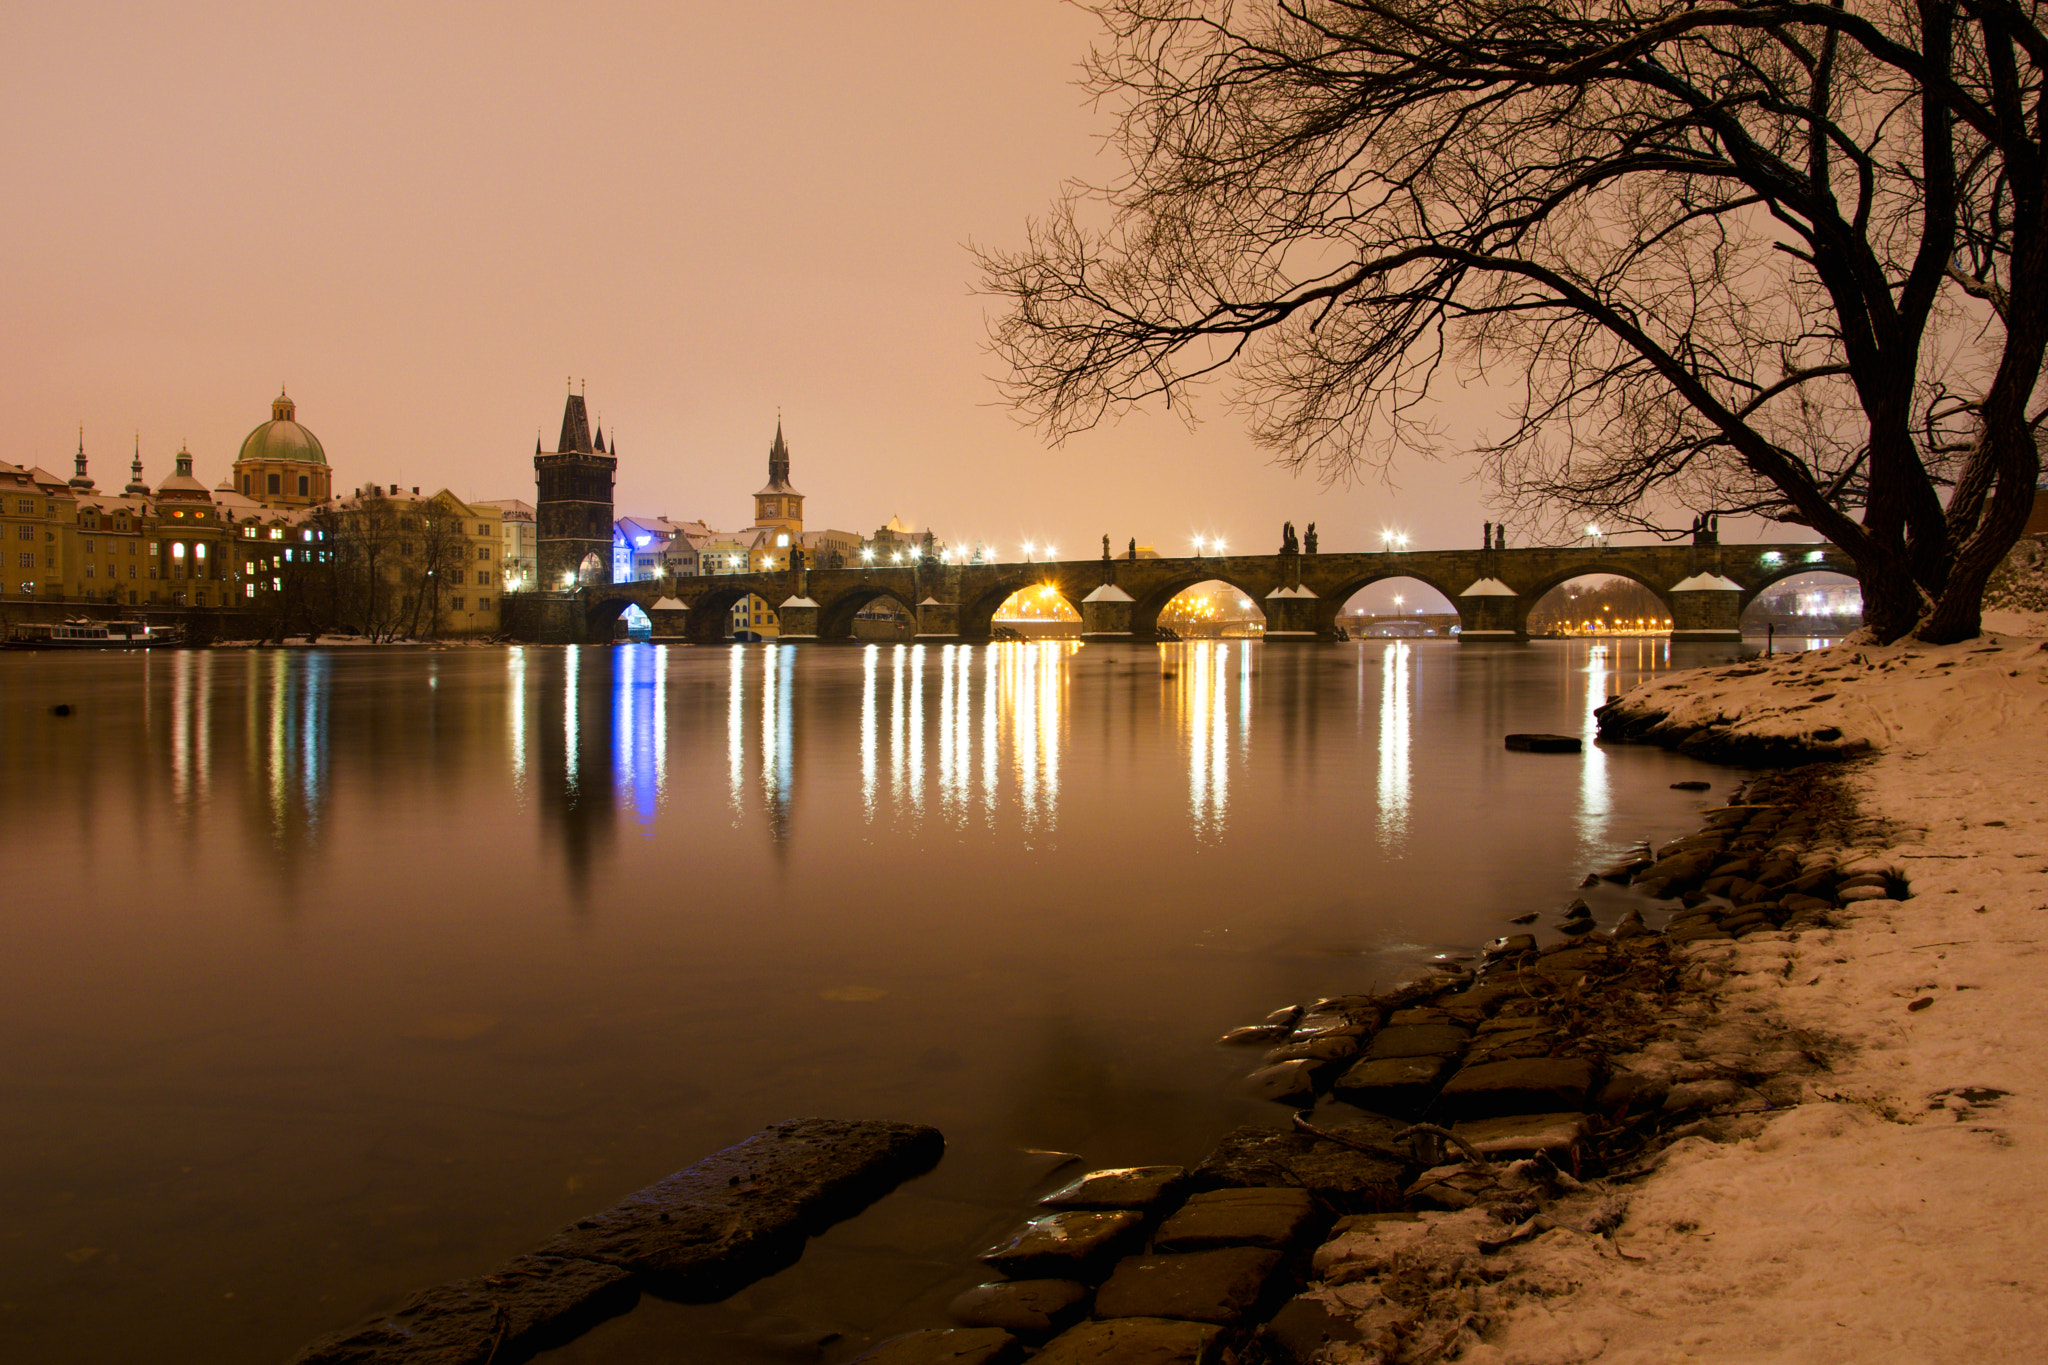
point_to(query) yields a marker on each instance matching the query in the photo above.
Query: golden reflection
(868, 731)
(913, 760)
(1595, 797)
(1395, 741)
(191, 728)
(515, 722)
(736, 730)
(572, 667)
(1204, 703)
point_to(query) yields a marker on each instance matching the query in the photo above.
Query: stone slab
(1219, 1286)
(946, 1346)
(1033, 1308)
(1323, 1050)
(742, 1213)
(1271, 1217)
(1134, 1341)
(1118, 1187)
(1397, 1085)
(1348, 1180)
(525, 1306)
(1305, 1328)
(1417, 1040)
(1541, 1085)
(1063, 1245)
(1284, 1082)
(1524, 1134)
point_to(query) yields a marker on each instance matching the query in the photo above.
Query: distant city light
(897, 556)
(868, 555)
(641, 541)
(1394, 540)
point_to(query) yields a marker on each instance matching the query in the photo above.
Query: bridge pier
(1106, 614)
(938, 620)
(1291, 615)
(1491, 612)
(1706, 607)
(798, 618)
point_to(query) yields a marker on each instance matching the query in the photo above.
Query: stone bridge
(1703, 587)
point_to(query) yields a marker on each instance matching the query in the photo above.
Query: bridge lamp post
(1199, 543)
(1027, 551)
(867, 554)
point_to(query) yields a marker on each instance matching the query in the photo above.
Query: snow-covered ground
(1900, 1211)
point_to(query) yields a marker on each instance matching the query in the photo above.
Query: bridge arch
(1332, 604)
(835, 616)
(1148, 604)
(1593, 566)
(978, 612)
(1770, 572)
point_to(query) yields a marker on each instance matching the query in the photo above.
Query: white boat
(82, 634)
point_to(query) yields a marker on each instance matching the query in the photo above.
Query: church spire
(136, 487)
(79, 480)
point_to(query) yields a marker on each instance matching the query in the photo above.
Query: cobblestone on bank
(1442, 1126)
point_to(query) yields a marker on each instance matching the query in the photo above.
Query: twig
(1471, 1153)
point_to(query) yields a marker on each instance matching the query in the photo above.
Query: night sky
(424, 219)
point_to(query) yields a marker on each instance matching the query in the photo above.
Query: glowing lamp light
(867, 556)
(1773, 557)
(897, 557)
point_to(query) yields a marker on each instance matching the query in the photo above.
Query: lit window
(178, 550)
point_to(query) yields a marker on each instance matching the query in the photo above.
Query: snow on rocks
(1887, 1209)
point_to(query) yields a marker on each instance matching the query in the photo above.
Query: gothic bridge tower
(572, 507)
(779, 507)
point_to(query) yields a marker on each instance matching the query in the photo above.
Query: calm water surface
(337, 973)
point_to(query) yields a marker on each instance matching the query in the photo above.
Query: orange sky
(423, 217)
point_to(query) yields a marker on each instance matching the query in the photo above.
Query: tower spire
(79, 480)
(136, 487)
(778, 458)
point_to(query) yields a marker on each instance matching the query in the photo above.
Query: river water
(337, 973)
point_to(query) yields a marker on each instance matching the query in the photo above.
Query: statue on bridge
(1288, 544)
(796, 559)
(1706, 529)
(1308, 540)
(1134, 547)
(1105, 545)
(1486, 537)
(1500, 536)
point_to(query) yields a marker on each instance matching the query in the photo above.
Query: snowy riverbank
(1892, 1214)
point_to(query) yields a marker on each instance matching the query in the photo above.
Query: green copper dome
(282, 438)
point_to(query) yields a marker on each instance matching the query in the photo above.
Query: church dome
(282, 438)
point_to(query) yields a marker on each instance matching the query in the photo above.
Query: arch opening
(1039, 611)
(633, 624)
(1210, 610)
(870, 614)
(1399, 607)
(1818, 606)
(1599, 604)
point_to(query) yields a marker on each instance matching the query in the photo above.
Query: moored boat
(79, 633)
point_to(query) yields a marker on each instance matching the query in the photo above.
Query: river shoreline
(1545, 1235)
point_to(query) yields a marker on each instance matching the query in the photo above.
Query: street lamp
(867, 554)
(1027, 551)
(1199, 543)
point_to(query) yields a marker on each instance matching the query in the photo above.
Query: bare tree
(1730, 255)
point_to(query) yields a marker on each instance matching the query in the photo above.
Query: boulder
(1256, 1035)
(1219, 1286)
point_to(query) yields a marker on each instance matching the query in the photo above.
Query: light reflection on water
(380, 956)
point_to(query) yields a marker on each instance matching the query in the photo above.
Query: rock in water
(1544, 744)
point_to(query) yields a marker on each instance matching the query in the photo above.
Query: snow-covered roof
(1489, 587)
(1291, 592)
(667, 604)
(796, 602)
(1706, 582)
(1108, 592)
